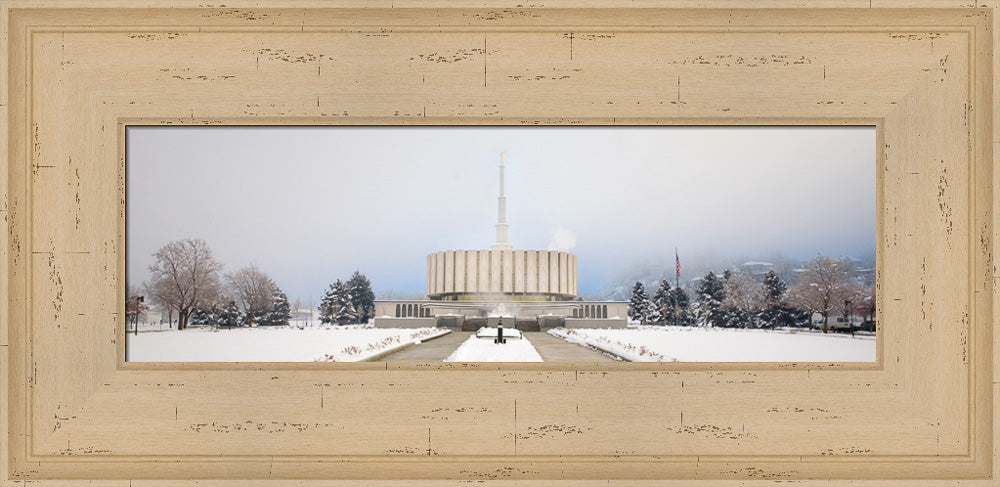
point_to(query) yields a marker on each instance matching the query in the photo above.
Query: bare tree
(744, 294)
(253, 291)
(184, 276)
(822, 286)
(864, 305)
(158, 293)
(850, 294)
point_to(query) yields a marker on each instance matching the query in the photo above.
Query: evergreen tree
(663, 304)
(200, 317)
(680, 308)
(777, 312)
(326, 305)
(230, 315)
(733, 317)
(774, 288)
(208, 315)
(640, 307)
(711, 292)
(362, 296)
(280, 312)
(343, 310)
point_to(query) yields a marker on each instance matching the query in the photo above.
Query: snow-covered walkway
(553, 349)
(476, 349)
(435, 350)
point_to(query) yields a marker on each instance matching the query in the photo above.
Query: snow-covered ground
(693, 344)
(476, 349)
(325, 343)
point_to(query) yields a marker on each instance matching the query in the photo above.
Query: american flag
(678, 260)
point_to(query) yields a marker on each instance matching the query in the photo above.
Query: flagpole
(678, 283)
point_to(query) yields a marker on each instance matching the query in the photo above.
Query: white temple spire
(501, 242)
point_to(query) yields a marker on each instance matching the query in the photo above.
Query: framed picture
(779, 256)
(81, 77)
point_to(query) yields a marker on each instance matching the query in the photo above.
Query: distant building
(756, 268)
(308, 315)
(152, 315)
(527, 289)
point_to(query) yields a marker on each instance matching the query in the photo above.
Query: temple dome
(502, 273)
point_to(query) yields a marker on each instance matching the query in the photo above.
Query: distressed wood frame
(78, 71)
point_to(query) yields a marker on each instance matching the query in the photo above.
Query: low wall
(472, 323)
(386, 322)
(530, 310)
(589, 323)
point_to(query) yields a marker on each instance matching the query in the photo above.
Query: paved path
(435, 350)
(551, 349)
(554, 349)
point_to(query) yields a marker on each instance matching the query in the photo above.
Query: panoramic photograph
(500, 244)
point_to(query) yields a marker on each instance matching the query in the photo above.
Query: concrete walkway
(435, 350)
(554, 349)
(550, 348)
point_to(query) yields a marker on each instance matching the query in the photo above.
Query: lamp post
(135, 312)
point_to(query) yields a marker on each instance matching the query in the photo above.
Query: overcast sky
(312, 204)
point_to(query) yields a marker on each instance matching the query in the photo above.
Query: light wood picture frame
(77, 72)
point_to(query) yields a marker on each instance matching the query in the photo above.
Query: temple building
(529, 289)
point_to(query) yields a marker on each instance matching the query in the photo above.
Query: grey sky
(312, 204)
